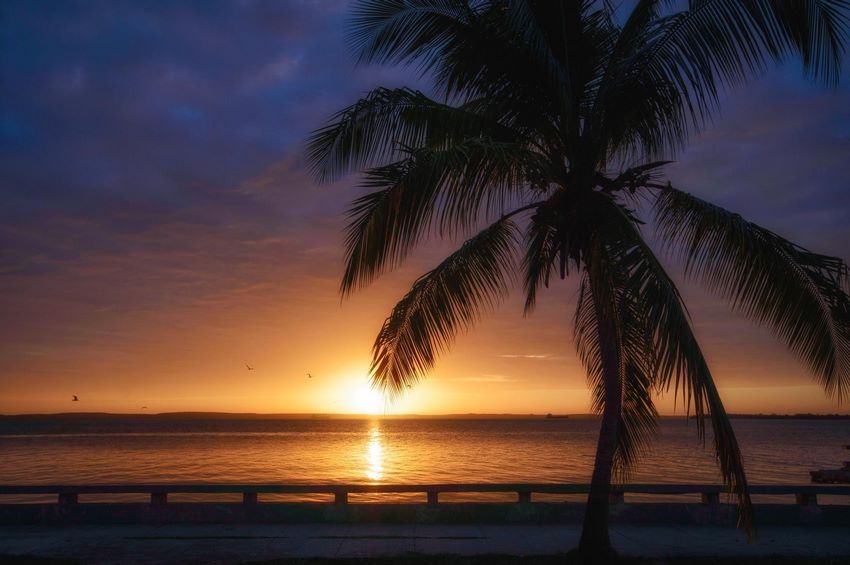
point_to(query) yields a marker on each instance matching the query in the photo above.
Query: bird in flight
(309, 376)
(250, 368)
(75, 399)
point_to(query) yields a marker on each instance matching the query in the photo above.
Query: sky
(159, 232)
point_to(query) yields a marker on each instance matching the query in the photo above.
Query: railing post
(68, 498)
(806, 499)
(341, 498)
(159, 498)
(433, 497)
(524, 496)
(710, 498)
(249, 498)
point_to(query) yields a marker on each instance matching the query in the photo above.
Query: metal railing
(709, 494)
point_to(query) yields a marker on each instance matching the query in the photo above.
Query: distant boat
(562, 416)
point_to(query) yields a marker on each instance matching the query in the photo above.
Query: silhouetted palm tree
(553, 120)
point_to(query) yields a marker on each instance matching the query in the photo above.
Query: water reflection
(375, 453)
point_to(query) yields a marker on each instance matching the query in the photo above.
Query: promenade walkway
(148, 544)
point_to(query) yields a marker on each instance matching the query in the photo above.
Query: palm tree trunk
(595, 541)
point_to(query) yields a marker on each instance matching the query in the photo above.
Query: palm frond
(669, 83)
(565, 44)
(816, 29)
(442, 303)
(638, 414)
(450, 188)
(524, 19)
(396, 31)
(608, 103)
(637, 424)
(377, 129)
(679, 362)
(801, 296)
(470, 51)
(541, 249)
(586, 334)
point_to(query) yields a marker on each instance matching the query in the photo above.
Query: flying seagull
(75, 399)
(309, 376)
(250, 368)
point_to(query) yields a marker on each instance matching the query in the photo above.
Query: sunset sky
(158, 230)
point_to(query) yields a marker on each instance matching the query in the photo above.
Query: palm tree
(550, 128)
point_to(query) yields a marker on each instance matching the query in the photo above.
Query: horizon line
(308, 415)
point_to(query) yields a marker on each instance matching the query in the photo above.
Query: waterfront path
(198, 543)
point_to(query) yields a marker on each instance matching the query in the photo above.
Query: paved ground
(248, 542)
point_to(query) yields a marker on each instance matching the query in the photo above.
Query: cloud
(537, 356)
(485, 379)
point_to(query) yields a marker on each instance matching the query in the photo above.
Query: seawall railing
(805, 495)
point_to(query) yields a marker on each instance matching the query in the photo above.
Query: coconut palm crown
(550, 126)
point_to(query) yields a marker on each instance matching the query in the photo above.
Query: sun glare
(366, 400)
(375, 454)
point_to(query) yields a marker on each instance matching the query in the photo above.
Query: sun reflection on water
(375, 454)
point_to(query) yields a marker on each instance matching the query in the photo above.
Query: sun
(366, 400)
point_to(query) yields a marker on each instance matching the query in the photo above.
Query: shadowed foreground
(413, 543)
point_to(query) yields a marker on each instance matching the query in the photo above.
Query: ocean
(388, 450)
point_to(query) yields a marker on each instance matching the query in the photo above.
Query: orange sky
(287, 320)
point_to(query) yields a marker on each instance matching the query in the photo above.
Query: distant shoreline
(308, 416)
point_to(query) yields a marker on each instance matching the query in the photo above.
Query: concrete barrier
(710, 509)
